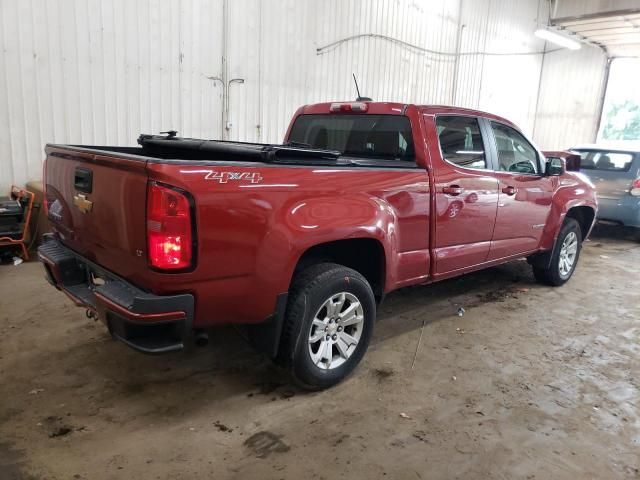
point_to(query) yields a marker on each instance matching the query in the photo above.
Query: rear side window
(385, 137)
(515, 153)
(602, 160)
(461, 141)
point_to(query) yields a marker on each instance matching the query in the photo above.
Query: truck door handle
(510, 190)
(83, 180)
(454, 190)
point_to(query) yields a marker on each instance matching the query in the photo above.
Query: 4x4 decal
(225, 177)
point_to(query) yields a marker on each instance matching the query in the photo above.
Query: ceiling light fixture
(557, 38)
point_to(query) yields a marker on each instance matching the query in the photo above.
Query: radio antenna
(356, 82)
(359, 99)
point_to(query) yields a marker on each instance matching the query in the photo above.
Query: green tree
(623, 122)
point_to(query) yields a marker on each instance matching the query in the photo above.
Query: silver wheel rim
(568, 253)
(336, 330)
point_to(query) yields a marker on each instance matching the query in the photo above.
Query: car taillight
(635, 188)
(169, 232)
(349, 107)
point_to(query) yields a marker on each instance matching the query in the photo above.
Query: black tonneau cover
(171, 147)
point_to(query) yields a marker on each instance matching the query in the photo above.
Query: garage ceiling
(617, 31)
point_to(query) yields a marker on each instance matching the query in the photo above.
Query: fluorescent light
(557, 38)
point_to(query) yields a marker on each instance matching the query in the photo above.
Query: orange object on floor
(21, 195)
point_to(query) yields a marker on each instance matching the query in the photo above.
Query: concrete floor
(532, 382)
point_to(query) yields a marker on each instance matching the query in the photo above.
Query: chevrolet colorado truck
(300, 242)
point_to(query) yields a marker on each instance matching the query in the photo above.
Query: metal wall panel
(102, 72)
(569, 105)
(504, 77)
(292, 53)
(311, 57)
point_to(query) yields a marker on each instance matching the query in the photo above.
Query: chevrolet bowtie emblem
(82, 203)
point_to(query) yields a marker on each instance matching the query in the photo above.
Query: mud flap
(543, 259)
(265, 336)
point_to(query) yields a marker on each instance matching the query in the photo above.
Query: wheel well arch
(364, 255)
(584, 216)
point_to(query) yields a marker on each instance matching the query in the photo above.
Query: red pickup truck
(300, 242)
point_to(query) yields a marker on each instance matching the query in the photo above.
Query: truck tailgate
(97, 204)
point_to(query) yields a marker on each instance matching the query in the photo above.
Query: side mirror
(554, 167)
(573, 163)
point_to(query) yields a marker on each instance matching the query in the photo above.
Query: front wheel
(565, 256)
(328, 325)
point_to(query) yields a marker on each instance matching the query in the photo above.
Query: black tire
(553, 275)
(310, 290)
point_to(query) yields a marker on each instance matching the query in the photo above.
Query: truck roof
(396, 108)
(621, 146)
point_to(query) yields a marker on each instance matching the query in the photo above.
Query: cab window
(384, 137)
(461, 141)
(515, 153)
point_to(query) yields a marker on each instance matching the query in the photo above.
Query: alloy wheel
(568, 253)
(335, 330)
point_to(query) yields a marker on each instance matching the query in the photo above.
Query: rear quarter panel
(251, 234)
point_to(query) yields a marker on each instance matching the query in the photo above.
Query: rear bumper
(624, 210)
(146, 322)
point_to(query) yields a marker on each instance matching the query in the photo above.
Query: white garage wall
(569, 104)
(102, 72)
(399, 50)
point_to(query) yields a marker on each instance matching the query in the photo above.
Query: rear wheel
(328, 325)
(565, 256)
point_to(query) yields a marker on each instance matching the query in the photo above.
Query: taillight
(349, 107)
(635, 188)
(169, 232)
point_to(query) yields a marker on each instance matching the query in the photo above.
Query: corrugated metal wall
(569, 104)
(102, 72)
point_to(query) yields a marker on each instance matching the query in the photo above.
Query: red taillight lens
(169, 233)
(635, 188)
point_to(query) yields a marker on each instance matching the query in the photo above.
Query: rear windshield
(603, 160)
(385, 137)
